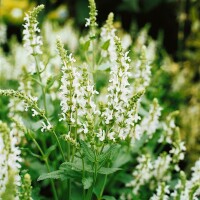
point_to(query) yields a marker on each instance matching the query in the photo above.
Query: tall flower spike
(188, 189)
(32, 40)
(141, 72)
(30, 102)
(107, 36)
(150, 123)
(26, 188)
(70, 85)
(118, 94)
(161, 193)
(9, 162)
(142, 173)
(91, 21)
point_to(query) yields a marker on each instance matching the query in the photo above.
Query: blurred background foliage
(173, 24)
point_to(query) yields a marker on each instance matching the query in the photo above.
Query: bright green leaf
(106, 45)
(87, 182)
(106, 170)
(86, 45)
(52, 175)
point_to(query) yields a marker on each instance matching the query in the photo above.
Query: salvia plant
(83, 116)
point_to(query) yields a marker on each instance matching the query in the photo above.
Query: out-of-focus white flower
(142, 173)
(150, 122)
(10, 158)
(169, 128)
(46, 127)
(107, 36)
(3, 34)
(161, 192)
(33, 41)
(188, 189)
(141, 72)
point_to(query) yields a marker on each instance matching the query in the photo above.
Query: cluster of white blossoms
(120, 113)
(107, 37)
(141, 72)
(161, 192)
(32, 40)
(77, 94)
(142, 173)
(69, 87)
(88, 110)
(171, 135)
(9, 160)
(150, 123)
(29, 103)
(169, 128)
(91, 21)
(188, 189)
(147, 169)
(159, 169)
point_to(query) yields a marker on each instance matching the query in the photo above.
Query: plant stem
(83, 174)
(59, 145)
(90, 191)
(103, 186)
(47, 165)
(43, 90)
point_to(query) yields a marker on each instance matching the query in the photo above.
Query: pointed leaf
(87, 151)
(86, 45)
(77, 166)
(52, 175)
(105, 45)
(87, 182)
(105, 170)
(107, 154)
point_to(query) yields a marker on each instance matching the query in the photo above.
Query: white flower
(46, 127)
(10, 157)
(87, 22)
(142, 173)
(101, 135)
(161, 193)
(108, 34)
(33, 41)
(35, 113)
(150, 122)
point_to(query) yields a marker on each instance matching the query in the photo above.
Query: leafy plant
(90, 135)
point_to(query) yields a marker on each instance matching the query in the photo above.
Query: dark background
(163, 16)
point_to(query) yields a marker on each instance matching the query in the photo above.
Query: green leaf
(77, 166)
(87, 182)
(86, 45)
(106, 45)
(52, 175)
(69, 171)
(105, 156)
(108, 198)
(87, 151)
(106, 170)
(98, 186)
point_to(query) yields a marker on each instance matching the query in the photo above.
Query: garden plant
(77, 124)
